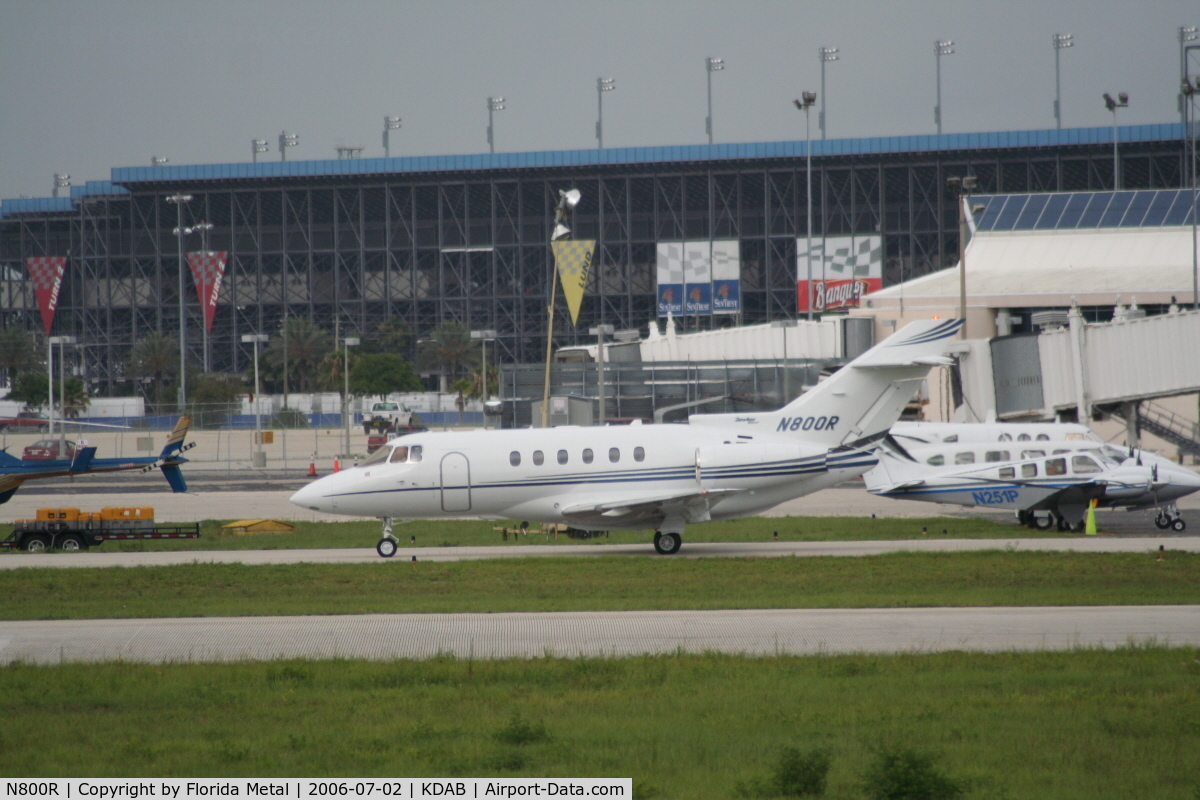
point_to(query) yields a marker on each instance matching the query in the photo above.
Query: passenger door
(456, 482)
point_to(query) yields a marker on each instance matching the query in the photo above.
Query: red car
(26, 421)
(48, 450)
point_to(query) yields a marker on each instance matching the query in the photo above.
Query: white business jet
(661, 477)
(1047, 472)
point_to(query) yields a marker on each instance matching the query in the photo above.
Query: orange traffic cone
(337, 466)
(312, 468)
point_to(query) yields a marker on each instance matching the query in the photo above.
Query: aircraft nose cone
(312, 498)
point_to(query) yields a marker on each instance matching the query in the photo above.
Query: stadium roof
(124, 176)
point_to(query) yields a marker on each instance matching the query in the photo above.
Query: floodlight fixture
(602, 85)
(257, 146)
(389, 124)
(941, 47)
(158, 161)
(287, 140)
(61, 181)
(570, 198)
(711, 65)
(494, 104)
(1060, 42)
(824, 55)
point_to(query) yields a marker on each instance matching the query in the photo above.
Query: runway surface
(596, 634)
(1097, 544)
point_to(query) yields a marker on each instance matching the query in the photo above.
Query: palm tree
(448, 349)
(155, 356)
(307, 346)
(18, 352)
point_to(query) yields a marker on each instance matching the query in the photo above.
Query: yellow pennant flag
(573, 257)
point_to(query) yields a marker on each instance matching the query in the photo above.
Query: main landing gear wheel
(1178, 525)
(387, 547)
(667, 543)
(1041, 523)
(1161, 522)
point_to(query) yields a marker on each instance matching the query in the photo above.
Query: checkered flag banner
(208, 268)
(46, 273)
(573, 258)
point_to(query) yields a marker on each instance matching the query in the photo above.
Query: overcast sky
(93, 84)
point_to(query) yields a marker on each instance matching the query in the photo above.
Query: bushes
(894, 775)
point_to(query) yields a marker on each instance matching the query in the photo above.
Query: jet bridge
(1116, 367)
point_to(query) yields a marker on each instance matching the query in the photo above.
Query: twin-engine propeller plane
(661, 477)
(1047, 472)
(14, 471)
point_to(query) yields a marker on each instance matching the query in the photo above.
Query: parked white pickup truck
(386, 415)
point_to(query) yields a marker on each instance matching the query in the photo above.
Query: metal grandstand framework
(348, 243)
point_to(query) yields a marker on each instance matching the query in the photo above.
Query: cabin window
(1007, 473)
(399, 455)
(614, 454)
(1074, 437)
(996, 455)
(1005, 437)
(639, 454)
(1032, 453)
(1084, 465)
(538, 458)
(562, 456)
(964, 458)
(1024, 437)
(951, 438)
(587, 455)
(1043, 437)
(1056, 466)
(1029, 470)
(1060, 452)
(414, 454)
(378, 457)
(935, 461)
(514, 458)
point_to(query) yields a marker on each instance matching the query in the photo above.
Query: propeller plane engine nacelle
(1129, 481)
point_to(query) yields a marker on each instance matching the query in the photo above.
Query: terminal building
(349, 243)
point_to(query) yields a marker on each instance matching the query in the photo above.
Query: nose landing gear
(1169, 517)
(388, 545)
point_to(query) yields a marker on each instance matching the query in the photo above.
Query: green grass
(470, 532)
(1087, 724)
(985, 578)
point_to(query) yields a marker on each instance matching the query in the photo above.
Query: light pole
(809, 98)
(61, 341)
(962, 188)
(61, 181)
(179, 199)
(260, 460)
(711, 65)
(600, 331)
(602, 85)
(494, 104)
(484, 337)
(158, 161)
(1186, 33)
(349, 342)
(1190, 91)
(942, 47)
(566, 201)
(287, 140)
(389, 124)
(1122, 101)
(824, 55)
(257, 146)
(1061, 41)
(784, 324)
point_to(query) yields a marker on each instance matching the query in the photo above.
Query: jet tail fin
(863, 399)
(8, 460)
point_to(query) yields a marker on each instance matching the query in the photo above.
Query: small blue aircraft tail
(9, 460)
(170, 459)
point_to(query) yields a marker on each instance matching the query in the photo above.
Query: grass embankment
(987, 578)
(1088, 724)
(471, 532)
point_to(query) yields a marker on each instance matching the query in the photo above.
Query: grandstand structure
(348, 243)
